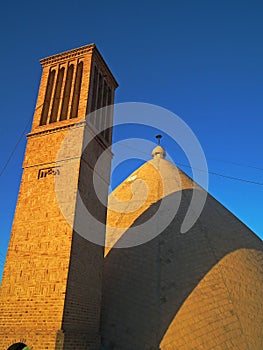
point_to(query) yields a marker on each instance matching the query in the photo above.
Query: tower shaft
(51, 287)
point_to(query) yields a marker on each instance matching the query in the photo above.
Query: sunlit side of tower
(51, 288)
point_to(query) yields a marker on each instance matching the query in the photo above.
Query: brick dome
(198, 290)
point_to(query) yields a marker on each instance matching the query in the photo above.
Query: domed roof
(198, 290)
(147, 185)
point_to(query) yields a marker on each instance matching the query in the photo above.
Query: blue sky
(203, 60)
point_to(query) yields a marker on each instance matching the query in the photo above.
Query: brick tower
(51, 289)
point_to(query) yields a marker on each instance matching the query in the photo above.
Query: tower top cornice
(77, 53)
(67, 54)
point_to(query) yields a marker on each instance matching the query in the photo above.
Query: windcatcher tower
(51, 289)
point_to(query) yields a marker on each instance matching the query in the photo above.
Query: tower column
(51, 289)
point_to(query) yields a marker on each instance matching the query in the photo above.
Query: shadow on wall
(146, 286)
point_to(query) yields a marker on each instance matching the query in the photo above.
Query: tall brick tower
(51, 289)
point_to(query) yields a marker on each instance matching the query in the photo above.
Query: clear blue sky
(203, 60)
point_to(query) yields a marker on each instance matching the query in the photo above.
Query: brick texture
(51, 289)
(198, 290)
(62, 291)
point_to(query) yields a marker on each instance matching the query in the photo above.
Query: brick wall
(51, 287)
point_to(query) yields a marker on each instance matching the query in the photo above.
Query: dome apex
(159, 152)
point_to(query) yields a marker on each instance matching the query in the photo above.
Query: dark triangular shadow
(145, 286)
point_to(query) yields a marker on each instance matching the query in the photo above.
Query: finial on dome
(158, 151)
(158, 137)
